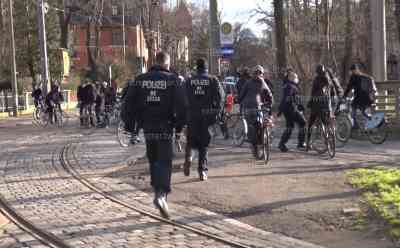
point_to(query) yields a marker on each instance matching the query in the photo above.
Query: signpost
(226, 50)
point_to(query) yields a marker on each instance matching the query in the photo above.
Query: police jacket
(255, 93)
(156, 100)
(290, 101)
(205, 97)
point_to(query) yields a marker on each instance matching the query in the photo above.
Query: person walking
(156, 100)
(292, 109)
(205, 98)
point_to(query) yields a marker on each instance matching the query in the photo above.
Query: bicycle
(324, 132)
(240, 132)
(373, 126)
(40, 114)
(123, 135)
(264, 131)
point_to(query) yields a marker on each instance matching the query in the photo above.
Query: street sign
(226, 34)
(227, 51)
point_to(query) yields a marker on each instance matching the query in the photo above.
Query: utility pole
(379, 60)
(43, 47)
(214, 37)
(13, 63)
(123, 32)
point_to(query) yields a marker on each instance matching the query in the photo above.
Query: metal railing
(25, 101)
(388, 100)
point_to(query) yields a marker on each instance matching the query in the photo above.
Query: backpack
(368, 87)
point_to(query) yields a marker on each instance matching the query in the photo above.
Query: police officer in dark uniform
(206, 98)
(156, 100)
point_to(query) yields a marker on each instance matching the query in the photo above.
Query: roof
(5, 85)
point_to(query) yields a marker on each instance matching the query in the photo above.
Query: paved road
(33, 181)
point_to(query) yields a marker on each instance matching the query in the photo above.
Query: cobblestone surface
(34, 183)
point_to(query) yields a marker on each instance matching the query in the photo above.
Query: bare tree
(280, 33)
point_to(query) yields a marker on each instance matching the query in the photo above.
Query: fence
(25, 101)
(388, 100)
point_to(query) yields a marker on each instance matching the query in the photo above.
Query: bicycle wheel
(378, 136)
(331, 140)
(231, 120)
(124, 137)
(266, 145)
(60, 117)
(343, 128)
(240, 133)
(44, 118)
(318, 139)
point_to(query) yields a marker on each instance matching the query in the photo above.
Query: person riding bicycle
(364, 92)
(338, 92)
(292, 109)
(100, 104)
(109, 100)
(87, 98)
(255, 95)
(321, 100)
(37, 95)
(53, 101)
(243, 78)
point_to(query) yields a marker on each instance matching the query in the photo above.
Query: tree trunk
(348, 42)
(280, 33)
(91, 61)
(397, 13)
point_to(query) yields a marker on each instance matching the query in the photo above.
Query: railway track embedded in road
(25, 225)
(66, 164)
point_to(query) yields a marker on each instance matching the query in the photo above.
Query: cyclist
(53, 101)
(100, 102)
(292, 108)
(254, 95)
(244, 77)
(321, 100)
(109, 101)
(364, 92)
(37, 95)
(88, 98)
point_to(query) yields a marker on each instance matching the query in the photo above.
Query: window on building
(117, 39)
(114, 10)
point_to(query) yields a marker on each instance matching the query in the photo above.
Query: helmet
(259, 69)
(321, 69)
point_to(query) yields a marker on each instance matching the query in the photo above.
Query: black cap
(201, 65)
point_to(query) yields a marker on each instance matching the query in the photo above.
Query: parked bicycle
(374, 125)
